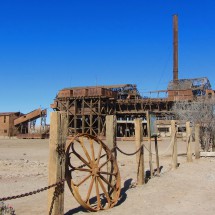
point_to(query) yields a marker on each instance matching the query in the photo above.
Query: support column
(197, 141)
(91, 117)
(111, 132)
(140, 154)
(83, 117)
(75, 117)
(99, 117)
(150, 143)
(57, 141)
(189, 147)
(174, 148)
(157, 155)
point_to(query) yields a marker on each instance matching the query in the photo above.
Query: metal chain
(143, 145)
(61, 150)
(58, 190)
(33, 192)
(128, 154)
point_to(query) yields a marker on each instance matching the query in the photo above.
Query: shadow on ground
(123, 196)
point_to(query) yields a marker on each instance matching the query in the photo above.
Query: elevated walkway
(30, 116)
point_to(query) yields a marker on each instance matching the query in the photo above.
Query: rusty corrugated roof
(8, 113)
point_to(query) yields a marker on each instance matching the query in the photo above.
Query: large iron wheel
(92, 173)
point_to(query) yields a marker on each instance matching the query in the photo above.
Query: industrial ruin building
(87, 107)
(7, 127)
(24, 125)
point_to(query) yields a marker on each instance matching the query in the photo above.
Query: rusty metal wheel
(92, 173)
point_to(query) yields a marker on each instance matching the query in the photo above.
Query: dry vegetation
(202, 112)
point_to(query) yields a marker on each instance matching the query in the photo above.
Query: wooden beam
(140, 154)
(207, 154)
(111, 132)
(57, 141)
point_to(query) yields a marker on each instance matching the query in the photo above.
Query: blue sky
(49, 45)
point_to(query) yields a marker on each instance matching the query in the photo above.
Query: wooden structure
(7, 127)
(87, 107)
(23, 125)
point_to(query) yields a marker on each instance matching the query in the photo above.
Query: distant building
(7, 127)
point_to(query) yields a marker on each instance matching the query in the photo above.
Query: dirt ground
(190, 189)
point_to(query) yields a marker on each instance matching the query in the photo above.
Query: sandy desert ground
(188, 190)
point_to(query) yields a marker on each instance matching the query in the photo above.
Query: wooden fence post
(111, 133)
(197, 141)
(140, 154)
(189, 146)
(157, 155)
(111, 140)
(174, 148)
(150, 143)
(57, 141)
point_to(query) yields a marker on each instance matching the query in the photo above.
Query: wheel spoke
(97, 194)
(81, 182)
(105, 163)
(107, 173)
(85, 150)
(92, 150)
(99, 154)
(106, 181)
(90, 189)
(81, 169)
(79, 156)
(104, 190)
(82, 159)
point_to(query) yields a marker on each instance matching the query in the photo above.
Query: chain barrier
(163, 153)
(59, 189)
(128, 154)
(33, 192)
(143, 145)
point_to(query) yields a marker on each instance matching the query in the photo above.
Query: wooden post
(197, 139)
(150, 144)
(157, 156)
(189, 147)
(111, 132)
(140, 154)
(58, 134)
(111, 140)
(174, 148)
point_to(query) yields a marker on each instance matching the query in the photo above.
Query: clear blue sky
(49, 45)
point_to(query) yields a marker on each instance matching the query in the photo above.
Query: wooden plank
(58, 134)
(140, 154)
(207, 154)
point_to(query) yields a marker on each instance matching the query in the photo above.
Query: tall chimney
(175, 48)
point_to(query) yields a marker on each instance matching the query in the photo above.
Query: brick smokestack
(175, 48)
